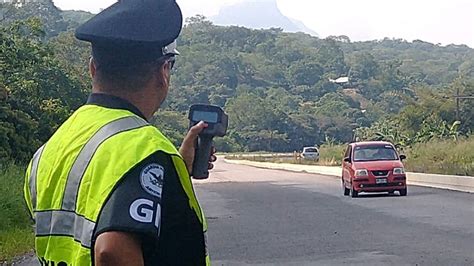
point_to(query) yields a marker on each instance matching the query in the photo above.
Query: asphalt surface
(271, 217)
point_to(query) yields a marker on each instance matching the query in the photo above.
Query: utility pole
(458, 101)
(459, 84)
(457, 104)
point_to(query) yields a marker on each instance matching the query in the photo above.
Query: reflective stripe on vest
(66, 222)
(65, 204)
(85, 156)
(33, 176)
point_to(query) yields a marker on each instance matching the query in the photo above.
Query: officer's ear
(92, 68)
(163, 74)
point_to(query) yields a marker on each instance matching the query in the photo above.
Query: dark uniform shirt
(151, 203)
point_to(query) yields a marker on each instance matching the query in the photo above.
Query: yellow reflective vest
(70, 178)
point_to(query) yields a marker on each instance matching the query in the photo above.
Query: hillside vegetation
(16, 230)
(275, 86)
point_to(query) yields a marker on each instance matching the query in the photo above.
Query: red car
(373, 166)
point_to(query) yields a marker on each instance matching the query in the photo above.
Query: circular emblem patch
(151, 179)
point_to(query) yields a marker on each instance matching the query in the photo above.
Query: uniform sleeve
(135, 204)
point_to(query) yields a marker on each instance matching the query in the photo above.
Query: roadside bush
(442, 157)
(16, 231)
(331, 154)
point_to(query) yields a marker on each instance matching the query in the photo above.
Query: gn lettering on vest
(143, 211)
(46, 262)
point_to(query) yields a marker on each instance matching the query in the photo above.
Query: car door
(346, 166)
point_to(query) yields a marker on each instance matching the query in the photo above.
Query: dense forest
(281, 90)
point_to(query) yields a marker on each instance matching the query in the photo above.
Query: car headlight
(399, 171)
(361, 172)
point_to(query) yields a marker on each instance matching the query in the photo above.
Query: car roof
(370, 143)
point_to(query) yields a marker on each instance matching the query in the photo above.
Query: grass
(446, 157)
(330, 155)
(16, 231)
(442, 157)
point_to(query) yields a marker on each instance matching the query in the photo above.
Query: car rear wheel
(346, 190)
(354, 192)
(403, 192)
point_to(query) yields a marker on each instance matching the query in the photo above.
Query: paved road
(270, 217)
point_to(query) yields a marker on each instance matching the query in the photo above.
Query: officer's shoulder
(158, 139)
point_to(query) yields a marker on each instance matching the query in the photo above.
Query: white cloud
(89, 5)
(189, 7)
(203, 7)
(436, 21)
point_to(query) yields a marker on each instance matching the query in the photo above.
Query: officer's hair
(122, 78)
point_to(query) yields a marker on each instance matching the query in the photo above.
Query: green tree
(37, 93)
(48, 14)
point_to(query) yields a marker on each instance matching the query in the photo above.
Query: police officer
(108, 188)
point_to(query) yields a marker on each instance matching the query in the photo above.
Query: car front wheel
(403, 192)
(346, 190)
(354, 192)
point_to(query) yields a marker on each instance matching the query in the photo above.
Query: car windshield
(375, 153)
(310, 150)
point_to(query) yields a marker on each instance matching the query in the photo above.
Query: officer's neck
(144, 99)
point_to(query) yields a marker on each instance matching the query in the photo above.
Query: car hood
(378, 165)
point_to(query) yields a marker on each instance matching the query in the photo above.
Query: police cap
(133, 31)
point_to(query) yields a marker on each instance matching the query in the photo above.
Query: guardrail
(457, 183)
(262, 155)
(289, 157)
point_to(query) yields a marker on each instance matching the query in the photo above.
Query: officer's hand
(212, 158)
(188, 147)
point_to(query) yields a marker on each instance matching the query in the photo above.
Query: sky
(436, 21)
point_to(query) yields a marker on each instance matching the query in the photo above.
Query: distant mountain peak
(261, 14)
(23, 2)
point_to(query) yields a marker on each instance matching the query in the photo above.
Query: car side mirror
(347, 160)
(403, 157)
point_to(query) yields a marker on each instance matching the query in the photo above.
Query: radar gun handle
(201, 157)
